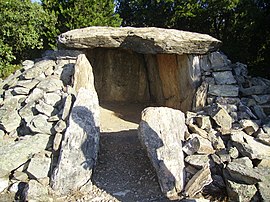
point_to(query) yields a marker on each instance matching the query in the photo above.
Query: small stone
(51, 84)
(20, 176)
(203, 122)
(222, 118)
(249, 126)
(27, 64)
(21, 91)
(224, 90)
(197, 160)
(197, 130)
(28, 84)
(27, 112)
(259, 112)
(205, 146)
(60, 126)
(67, 107)
(200, 97)
(37, 191)
(40, 124)
(255, 90)
(261, 99)
(2, 134)
(44, 108)
(52, 99)
(216, 140)
(38, 69)
(262, 137)
(198, 182)
(225, 77)
(191, 146)
(240, 192)
(35, 95)
(39, 167)
(265, 163)
(57, 141)
(234, 153)
(9, 120)
(244, 161)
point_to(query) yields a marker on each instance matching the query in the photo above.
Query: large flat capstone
(161, 131)
(148, 40)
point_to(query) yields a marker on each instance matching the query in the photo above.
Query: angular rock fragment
(222, 118)
(225, 77)
(191, 146)
(249, 126)
(44, 108)
(25, 148)
(224, 90)
(40, 124)
(39, 167)
(50, 84)
(205, 146)
(197, 160)
(38, 69)
(198, 182)
(165, 151)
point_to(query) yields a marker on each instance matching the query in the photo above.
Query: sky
(35, 1)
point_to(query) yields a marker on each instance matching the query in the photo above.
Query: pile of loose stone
(35, 104)
(228, 144)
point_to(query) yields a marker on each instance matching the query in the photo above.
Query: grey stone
(57, 141)
(203, 122)
(60, 126)
(37, 191)
(28, 84)
(197, 160)
(215, 139)
(20, 176)
(201, 179)
(255, 90)
(50, 84)
(52, 99)
(38, 69)
(224, 90)
(168, 160)
(261, 99)
(205, 146)
(200, 97)
(67, 74)
(243, 174)
(83, 76)
(2, 134)
(24, 148)
(35, 95)
(258, 110)
(40, 124)
(249, 126)
(67, 107)
(44, 108)
(225, 77)
(219, 61)
(248, 146)
(222, 118)
(191, 146)
(245, 161)
(27, 112)
(266, 128)
(80, 145)
(21, 91)
(233, 152)
(27, 64)
(240, 192)
(197, 130)
(39, 167)
(262, 137)
(141, 40)
(9, 120)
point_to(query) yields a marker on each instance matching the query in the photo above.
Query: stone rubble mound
(225, 137)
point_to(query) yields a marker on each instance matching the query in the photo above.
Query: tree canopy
(242, 25)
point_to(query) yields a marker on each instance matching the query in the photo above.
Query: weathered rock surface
(165, 151)
(142, 40)
(79, 147)
(26, 147)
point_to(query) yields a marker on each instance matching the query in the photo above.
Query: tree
(242, 25)
(25, 27)
(74, 14)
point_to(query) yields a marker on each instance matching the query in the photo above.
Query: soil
(123, 170)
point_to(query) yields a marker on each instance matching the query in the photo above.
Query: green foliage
(25, 27)
(242, 25)
(74, 14)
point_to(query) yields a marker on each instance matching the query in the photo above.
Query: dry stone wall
(225, 147)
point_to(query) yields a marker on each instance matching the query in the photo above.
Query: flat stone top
(149, 40)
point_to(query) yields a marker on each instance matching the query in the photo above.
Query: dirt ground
(124, 171)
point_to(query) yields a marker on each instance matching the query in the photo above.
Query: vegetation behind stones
(27, 29)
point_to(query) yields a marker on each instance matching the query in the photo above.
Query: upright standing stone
(161, 132)
(80, 145)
